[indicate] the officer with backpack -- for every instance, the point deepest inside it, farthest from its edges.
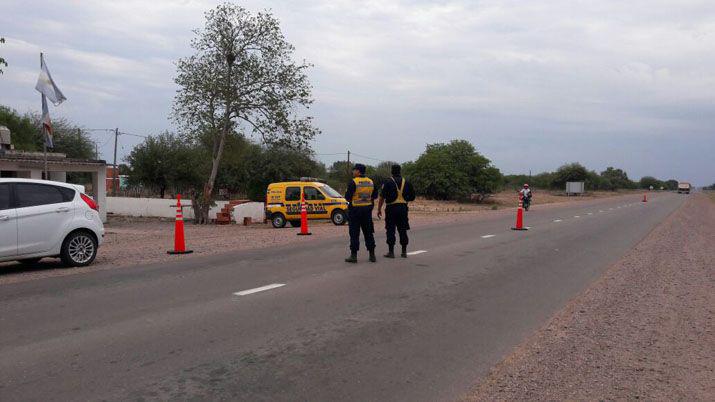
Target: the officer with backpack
(361, 195)
(396, 193)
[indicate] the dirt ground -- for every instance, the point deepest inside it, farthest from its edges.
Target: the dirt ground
(643, 331)
(131, 241)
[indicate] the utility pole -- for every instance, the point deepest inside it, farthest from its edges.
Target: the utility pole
(115, 178)
(348, 167)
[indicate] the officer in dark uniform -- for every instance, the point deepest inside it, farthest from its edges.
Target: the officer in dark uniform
(396, 192)
(361, 195)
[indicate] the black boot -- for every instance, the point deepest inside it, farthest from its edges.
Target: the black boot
(391, 252)
(352, 259)
(372, 256)
(404, 252)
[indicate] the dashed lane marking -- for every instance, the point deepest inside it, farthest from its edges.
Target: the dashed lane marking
(590, 213)
(261, 289)
(416, 252)
(487, 236)
(557, 220)
(577, 216)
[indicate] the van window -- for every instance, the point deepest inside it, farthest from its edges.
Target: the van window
(312, 194)
(292, 193)
(4, 196)
(30, 195)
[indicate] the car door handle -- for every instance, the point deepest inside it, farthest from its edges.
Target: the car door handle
(62, 209)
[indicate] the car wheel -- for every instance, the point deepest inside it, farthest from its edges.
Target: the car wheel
(295, 224)
(278, 220)
(79, 249)
(339, 218)
(29, 261)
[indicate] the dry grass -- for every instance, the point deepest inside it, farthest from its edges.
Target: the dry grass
(506, 199)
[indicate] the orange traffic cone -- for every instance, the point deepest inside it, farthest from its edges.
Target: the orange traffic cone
(645, 197)
(520, 217)
(303, 218)
(179, 243)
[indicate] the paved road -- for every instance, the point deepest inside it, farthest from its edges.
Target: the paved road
(424, 328)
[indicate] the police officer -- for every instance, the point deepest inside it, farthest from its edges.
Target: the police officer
(396, 192)
(361, 195)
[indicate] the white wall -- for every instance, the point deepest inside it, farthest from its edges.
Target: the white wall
(154, 207)
(254, 210)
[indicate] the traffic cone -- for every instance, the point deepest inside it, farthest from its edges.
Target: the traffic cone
(645, 197)
(179, 243)
(520, 217)
(303, 218)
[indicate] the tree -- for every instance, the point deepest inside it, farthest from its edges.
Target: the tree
(453, 171)
(164, 162)
(671, 185)
(27, 135)
(2, 60)
(275, 163)
(617, 178)
(648, 181)
(241, 80)
(568, 172)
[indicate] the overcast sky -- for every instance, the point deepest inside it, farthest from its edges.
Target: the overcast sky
(533, 84)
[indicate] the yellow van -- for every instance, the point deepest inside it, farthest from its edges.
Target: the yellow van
(321, 202)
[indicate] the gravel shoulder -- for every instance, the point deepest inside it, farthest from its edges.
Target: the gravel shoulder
(642, 331)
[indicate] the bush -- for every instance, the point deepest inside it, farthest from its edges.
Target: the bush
(452, 171)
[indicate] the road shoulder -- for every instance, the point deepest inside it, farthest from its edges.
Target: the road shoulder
(642, 331)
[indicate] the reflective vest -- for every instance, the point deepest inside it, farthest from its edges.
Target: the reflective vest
(363, 192)
(400, 199)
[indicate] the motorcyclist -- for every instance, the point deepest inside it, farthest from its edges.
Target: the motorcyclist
(525, 194)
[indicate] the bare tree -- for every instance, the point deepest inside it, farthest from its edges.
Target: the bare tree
(241, 81)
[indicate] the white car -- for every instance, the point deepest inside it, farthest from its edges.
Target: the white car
(40, 218)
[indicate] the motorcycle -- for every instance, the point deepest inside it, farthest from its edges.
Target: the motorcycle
(526, 203)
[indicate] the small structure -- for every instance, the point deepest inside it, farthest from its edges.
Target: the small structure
(5, 140)
(31, 165)
(575, 188)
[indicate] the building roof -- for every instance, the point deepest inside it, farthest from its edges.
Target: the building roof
(52, 158)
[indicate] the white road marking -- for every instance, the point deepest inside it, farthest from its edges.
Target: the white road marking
(416, 252)
(487, 236)
(577, 216)
(600, 210)
(610, 209)
(590, 213)
(557, 220)
(261, 289)
(527, 227)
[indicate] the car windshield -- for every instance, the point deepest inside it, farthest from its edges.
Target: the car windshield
(330, 192)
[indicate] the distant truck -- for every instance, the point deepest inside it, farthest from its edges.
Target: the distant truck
(683, 188)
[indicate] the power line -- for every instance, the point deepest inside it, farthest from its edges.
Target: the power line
(135, 135)
(369, 157)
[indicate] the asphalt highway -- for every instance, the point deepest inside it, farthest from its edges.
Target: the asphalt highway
(297, 323)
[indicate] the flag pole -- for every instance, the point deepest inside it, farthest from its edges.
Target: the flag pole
(44, 134)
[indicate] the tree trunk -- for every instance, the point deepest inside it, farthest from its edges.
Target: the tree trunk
(203, 207)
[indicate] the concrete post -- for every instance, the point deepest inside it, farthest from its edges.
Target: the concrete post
(58, 176)
(99, 184)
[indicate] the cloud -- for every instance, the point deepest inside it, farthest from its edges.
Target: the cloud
(558, 75)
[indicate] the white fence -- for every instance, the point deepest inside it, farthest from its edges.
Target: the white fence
(154, 207)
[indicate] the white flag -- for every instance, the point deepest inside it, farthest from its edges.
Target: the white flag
(46, 86)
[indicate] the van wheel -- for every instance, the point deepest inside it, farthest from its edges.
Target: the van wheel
(278, 220)
(338, 217)
(295, 224)
(79, 249)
